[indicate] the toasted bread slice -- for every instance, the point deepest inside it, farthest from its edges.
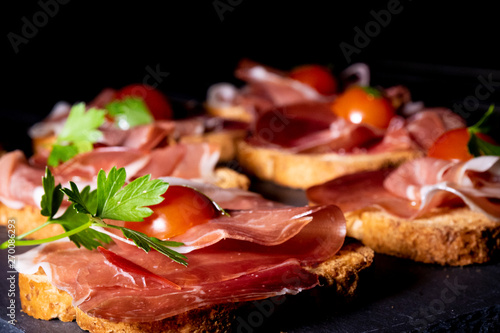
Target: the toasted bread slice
(447, 236)
(41, 300)
(28, 218)
(234, 112)
(298, 170)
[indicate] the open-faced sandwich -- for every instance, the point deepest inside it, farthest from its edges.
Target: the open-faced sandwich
(78, 141)
(307, 126)
(442, 208)
(152, 256)
(142, 117)
(306, 144)
(266, 88)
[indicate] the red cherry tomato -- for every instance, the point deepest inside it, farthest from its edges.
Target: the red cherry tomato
(156, 101)
(453, 145)
(182, 208)
(316, 76)
(364, 105)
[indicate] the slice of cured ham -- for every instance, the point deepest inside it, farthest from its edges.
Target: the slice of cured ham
(21, 181)
(417, 187)
(277, 86)
(265, 89)
(18, 180)
(359, 191)
(248, 264)
(313, 127)
(427, 125)
(84, 167)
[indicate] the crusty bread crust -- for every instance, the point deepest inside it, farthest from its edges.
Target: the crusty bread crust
(43, 301)
(342, 271)
(218, 318)
(447, 236)
(235, 112)
(28, 218)
(306, 170)
(229, 178)
(41, 144)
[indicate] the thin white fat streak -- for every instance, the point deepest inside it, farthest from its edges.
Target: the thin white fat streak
(427, 191)
(14, 204)
(38, 192)
(360, 70)
(298, 216)
(208, 163)
(25, 262)
(479, 164)
(42, 129)
(261, 74)
(410, 192)
(221, 95)
(132, 168)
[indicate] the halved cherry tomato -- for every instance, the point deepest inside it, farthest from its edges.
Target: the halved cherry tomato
(182, 208)
(316, 76)
(453, 145)
(364, 105)
(156, 101)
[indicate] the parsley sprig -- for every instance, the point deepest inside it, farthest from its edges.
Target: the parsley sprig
(111, 200)
(129, 112)
(78, 135)
(81, 129)
(478, 146)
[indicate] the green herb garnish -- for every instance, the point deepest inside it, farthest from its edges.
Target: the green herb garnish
(111, 200)
(130, 112)
(373, 91)
(78, 135)
(478, 146)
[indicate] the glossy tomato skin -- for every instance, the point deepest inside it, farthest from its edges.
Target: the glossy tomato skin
(156, 101)
(316, 76)
(182, 208)
(364, 105)
(452, 145)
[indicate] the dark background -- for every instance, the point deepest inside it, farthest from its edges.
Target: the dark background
(438, 49)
